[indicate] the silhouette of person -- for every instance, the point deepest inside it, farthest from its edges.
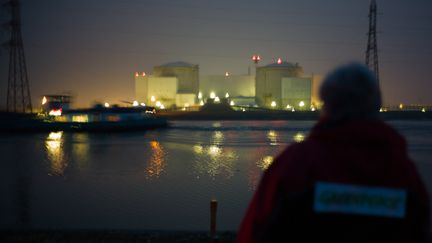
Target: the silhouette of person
(351, 180)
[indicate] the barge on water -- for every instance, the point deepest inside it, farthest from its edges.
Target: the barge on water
(97, 119)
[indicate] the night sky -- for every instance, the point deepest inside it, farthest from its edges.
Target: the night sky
(92, 48)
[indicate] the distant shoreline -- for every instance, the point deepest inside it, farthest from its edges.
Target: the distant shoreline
(281, 115)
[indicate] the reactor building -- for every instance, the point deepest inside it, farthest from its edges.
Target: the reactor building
(281, 85)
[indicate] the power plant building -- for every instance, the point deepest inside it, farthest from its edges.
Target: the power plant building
(150, 89)
(171, 85)
(276, 86)
(238, 88)
(281, 86)
(187, 75)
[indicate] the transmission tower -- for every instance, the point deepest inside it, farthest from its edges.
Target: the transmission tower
(372, 47)
(18, 93)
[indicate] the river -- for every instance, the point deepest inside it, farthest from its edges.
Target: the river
(153, 180)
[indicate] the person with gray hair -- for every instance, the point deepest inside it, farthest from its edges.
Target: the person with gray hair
(350, 180)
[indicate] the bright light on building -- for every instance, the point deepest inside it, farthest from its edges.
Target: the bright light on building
(226, 74)
(201, 103)
(301, 103)
(227, 95)
(212, 95)
(143, 104)
(423, 109)
(256, 58)
(401, 106)
(273, 104)
(136, 74)
(153, 99)
(232, 103)
(80, 118)
(216, 99)
(143, 74)
(186, 105)
(313, 108)
(44, 100)
(279, 60)
(288, 107)
(158, 103)
(55, 112)
(107, 104)
(135, 103)
(381, 110)
(162, 107)
(199, 95)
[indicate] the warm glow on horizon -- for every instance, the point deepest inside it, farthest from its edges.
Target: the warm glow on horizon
(55, 112)
(212, 95)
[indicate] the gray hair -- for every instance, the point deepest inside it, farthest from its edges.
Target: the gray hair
(351, 92)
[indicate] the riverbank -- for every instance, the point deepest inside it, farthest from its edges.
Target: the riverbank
(114, 236)
(280, 115)
(118, 236)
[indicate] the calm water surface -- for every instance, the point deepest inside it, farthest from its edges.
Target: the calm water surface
(160, 179)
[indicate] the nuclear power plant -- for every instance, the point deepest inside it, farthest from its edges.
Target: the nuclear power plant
(280, 85)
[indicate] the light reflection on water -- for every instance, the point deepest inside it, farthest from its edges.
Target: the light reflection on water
(218, 153)
(149, 180)
(265, 162)
(156, 164)
(299, 137)
(55, 153)
(218, 137)
(214, 161)
(81, 149)
(272, 136)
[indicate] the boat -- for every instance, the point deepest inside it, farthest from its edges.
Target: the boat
(96, 119)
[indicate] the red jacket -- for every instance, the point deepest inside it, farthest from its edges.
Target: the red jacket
(368, 154)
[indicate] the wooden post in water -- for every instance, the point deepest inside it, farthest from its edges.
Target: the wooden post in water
(213, 211)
